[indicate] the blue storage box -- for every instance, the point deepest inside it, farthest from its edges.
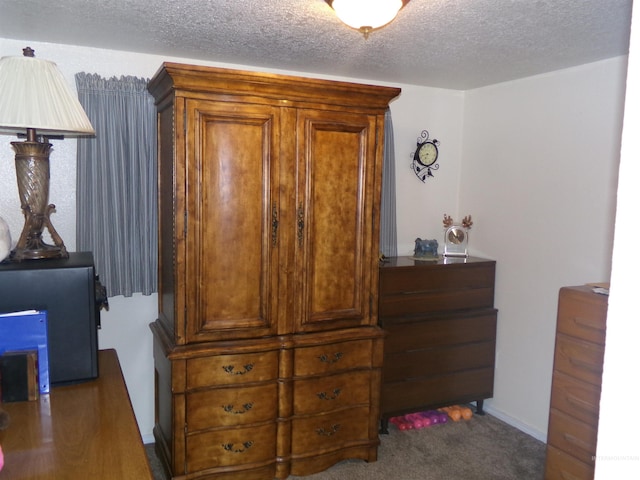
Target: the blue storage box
(27, 330)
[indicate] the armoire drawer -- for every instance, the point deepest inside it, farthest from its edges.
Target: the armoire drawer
(579, 359)
(322, 433)
(562, 466)
(231, 369)
(336, 357)
(572, 436)
(232, 446)
(579, 399)
(582, 316)
(327, 393)
(227, 406)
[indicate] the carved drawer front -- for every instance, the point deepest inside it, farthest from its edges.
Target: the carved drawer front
(579, 359)
(231, 406)
(579, 399)
(572, 436)
(233, 446)
(323, 394)
(334, 357)
(231, 369)
(329, 432)
(560, 465)
(583, 316)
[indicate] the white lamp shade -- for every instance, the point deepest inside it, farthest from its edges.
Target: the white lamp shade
(366, 13)
(34, 94)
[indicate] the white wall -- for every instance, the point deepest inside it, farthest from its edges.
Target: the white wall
(525, 158)
(539, 173)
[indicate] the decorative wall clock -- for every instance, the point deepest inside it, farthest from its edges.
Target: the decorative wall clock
(456, 236)
(425, 156)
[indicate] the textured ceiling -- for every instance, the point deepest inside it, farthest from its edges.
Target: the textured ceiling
(456, 44)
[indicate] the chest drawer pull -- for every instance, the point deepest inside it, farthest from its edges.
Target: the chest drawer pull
(229, 447)
(580, 403)
(585, 365)
(328, 359)
(328, 433)
(230, 369)
(245, 408)
(577, 442)
(325, 396)
(593, 324)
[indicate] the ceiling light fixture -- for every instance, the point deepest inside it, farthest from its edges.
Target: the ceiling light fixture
(366, 15)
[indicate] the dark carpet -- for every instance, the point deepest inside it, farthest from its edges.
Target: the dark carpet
(483, 448)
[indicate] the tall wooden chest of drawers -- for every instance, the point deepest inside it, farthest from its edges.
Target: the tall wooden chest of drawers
(441, 333)
(575, 389)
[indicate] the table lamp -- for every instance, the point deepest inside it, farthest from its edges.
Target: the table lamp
(36, 102)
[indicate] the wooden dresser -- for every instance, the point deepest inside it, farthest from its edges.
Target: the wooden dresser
(575, 389)
(267, 351)
(441, 333)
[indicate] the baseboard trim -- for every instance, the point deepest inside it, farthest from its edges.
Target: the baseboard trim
(514, 422)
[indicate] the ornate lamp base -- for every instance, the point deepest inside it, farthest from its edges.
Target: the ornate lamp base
(32, 172)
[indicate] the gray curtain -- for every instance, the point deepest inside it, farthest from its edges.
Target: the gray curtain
(117, 183)
(388, 233)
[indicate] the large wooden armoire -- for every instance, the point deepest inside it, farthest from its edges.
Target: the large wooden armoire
(267, 351)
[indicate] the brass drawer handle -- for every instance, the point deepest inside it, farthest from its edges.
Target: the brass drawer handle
(230, 369)
(328, 433)
(324, 396)
(230, 409)
(327, 359)
(229, 447)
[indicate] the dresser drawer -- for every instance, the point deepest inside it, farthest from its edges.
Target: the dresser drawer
(231, 369)
(576, 398)
(429, 332)
(582, 314)
(436, 277)
(228, 406)
(323, 433)
(572, 436)
(561, 466)
(437, 390)
(336, 357)
(323, 394)
(436, 287)
(438, 361)
(233, 446)
(579, 359)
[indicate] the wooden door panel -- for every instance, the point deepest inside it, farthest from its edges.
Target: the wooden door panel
(336, 163)
(231, 247)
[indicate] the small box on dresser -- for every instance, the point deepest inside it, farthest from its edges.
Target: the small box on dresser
(441, 333)
(575, 389)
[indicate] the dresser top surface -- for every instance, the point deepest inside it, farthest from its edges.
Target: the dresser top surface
(400, 262)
